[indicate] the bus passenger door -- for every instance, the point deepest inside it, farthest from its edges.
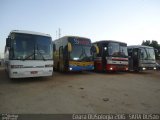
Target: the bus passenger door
(61, 58)
(130, 54)
(104, 61)
(135, 59)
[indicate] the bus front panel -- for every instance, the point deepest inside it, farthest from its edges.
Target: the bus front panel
(80, 57)
(23, 69)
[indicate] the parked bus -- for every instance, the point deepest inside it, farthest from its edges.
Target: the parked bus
(28, 54)
(141, 58)
(111, 56)
(72, 53)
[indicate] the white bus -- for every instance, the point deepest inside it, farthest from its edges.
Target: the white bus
(28, 54)
(141, 58)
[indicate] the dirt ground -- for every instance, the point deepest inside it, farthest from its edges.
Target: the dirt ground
(86, 92)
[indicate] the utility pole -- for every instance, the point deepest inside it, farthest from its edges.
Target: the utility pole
(56, 35)
(59, 32)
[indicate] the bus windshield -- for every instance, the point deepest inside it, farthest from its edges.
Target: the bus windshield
(81, 53)
(31, 47)
(117, 50)
(147, 53)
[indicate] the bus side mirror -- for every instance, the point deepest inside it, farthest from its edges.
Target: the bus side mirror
(8, 42)
(95, 49)
(69, 47)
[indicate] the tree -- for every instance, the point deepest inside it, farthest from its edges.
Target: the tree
(147, 42)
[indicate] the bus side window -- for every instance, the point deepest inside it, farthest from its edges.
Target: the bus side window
(135, 53)
(61, 51)
(130, 52)
(54, 47)
(105, 51)
(65, 52)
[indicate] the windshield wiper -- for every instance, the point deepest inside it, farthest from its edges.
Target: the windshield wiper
(28, 56)
(33, 54)
(83, 53)
(41, 54)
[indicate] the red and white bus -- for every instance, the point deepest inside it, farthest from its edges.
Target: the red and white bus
(110, 56)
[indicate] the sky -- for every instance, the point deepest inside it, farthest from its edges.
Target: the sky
(130, 21)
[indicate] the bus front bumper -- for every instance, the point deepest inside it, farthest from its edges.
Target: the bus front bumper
(114, 67)
(30, 73)
(147, 68)
(81, 68)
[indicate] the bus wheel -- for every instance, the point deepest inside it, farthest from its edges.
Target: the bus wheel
(136, 70)
(54, 69)
(11, 79)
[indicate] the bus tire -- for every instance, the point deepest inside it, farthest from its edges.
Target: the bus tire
(11, 79)
(54, 69)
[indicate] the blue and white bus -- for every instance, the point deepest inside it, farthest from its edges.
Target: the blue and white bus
(72, 53)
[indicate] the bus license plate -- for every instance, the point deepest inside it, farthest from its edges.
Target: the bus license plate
(34, 72)
(120, 67)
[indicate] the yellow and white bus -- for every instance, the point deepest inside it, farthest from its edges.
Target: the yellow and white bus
(72, 53)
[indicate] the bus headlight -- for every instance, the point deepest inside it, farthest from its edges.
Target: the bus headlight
(126, 68)
(111, 68)
(154, 68)
(143, 68)
(70, 69)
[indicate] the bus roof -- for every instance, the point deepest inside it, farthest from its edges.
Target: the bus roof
(104, 41)
(70, 36)
(29, 32)
(139, 46)
(74, 36)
